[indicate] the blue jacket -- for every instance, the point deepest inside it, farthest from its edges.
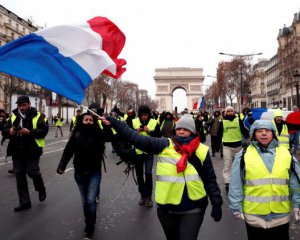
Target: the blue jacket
(236, 194)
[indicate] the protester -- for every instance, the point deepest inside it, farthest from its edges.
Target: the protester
(213, 130)
(58, 123)
(231, 129)
(87, 145)
(200, 127)
(128, 117)
(167, 125)
(146, 126)
(294, 135)
(265, 185)
(185, 177)
(281, 129)
(74, 120)
(26, 131)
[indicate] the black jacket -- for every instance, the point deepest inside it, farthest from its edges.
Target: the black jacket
(25, 145)
(88, 150)
(156, 145)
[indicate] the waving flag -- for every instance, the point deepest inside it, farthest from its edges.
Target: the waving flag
(263, 113)
(201, 103)
(65, 59)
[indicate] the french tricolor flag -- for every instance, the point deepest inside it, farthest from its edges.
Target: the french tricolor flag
(65, 59)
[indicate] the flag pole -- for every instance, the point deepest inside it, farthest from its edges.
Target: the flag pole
(86, 108)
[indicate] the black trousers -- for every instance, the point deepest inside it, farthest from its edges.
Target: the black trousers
(276, 233)
(180, 226)
(216, 144)
(144, 178)
(30, 166)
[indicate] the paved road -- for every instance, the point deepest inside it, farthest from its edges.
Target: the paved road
(119, 216)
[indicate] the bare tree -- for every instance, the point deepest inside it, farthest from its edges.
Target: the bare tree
(9, 85)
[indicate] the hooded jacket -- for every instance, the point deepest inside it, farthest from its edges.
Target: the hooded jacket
(236, 194)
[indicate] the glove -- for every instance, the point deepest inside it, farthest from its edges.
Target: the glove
(297, 215)
(249, 114)
(216, 213)
(238, 215)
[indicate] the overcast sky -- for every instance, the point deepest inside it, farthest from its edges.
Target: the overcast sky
(173, 33)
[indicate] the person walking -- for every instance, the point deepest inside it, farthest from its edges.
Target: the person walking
(74, 120)
(213, 130)
(167, 125)
(232, 130)
(145, 126)
(26, 131)
(294, 135)
(185, 177)
(58, 123)
(87, 145)
(264, 185)
(281, 129)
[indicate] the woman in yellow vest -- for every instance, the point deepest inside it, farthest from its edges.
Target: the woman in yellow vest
(281, 129)
(185, 177)
(264, 185)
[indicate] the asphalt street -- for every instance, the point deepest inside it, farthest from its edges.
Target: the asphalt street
(119, 215)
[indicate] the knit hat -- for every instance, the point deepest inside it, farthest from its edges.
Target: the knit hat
(186, 122)
(278, 113)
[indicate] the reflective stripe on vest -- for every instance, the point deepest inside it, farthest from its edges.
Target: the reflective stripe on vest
(266, 192)
(231, 130)
(39, 141)
(170, 184)
(136, 123)
(283, 138)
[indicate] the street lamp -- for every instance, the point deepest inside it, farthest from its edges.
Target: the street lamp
(242, 57)
(297, 79)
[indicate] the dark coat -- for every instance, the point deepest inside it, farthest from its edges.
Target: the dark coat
(88, 150)
(25, 145)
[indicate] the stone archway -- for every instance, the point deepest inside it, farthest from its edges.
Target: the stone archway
(167, 80)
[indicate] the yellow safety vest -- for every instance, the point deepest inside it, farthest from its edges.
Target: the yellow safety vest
(100, 124)
(283, 138)
(162, 125)
(58, 122)
(74, 122)
(170, 184)
(40, 141)
(265, 191)
(136, 123)
(231, 130)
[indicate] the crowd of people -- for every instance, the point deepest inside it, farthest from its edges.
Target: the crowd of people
(260, 175)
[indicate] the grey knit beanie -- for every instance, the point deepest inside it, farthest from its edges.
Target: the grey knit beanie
(186, 122)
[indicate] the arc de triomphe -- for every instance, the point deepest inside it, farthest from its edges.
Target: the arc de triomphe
(167, 80)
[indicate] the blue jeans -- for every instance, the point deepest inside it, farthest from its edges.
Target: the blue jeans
(294, 139)
(89, 188)
(145, 184)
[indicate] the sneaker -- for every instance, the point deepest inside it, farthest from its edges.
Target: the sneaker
(149, 202)
(142, 201)
(11, 171)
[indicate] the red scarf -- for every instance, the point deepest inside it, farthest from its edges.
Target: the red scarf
(186, 151)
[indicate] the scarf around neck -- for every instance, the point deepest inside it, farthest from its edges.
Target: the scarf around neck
(186, 150)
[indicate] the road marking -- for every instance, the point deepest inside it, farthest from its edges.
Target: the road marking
(68, 169)
(5, 162)
(64, 140)
(57, 150)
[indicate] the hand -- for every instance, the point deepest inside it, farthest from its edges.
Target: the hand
(296, 215)
(24, 131)
(60, 171)
(216, 213)
(249, 114)
(12, 131)
(238, 215)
